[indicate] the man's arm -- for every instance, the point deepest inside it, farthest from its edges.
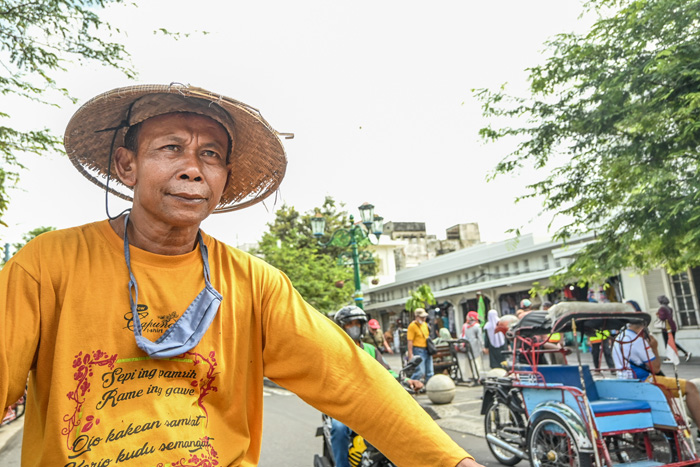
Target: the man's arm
(655, 364)
(338, 378)
(386, 345)
(410, 350)
(19, 335)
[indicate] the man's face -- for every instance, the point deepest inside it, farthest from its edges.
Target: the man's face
(180, 170)
(354, 322)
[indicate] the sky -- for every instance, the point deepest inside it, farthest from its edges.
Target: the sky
(378, 95)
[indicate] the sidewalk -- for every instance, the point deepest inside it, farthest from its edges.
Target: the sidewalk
(463, 414)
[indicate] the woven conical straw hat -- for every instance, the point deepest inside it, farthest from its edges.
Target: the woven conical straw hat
(258, 162)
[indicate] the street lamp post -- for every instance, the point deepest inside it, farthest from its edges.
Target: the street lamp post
(350, 237)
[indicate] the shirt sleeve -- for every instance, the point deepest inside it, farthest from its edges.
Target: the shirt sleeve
(308, 354)
(411, 333)
(19, 337)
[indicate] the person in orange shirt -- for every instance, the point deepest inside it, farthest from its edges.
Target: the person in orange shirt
(417, 336)
(146, 340)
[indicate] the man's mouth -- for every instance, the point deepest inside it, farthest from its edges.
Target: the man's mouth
(189, 197)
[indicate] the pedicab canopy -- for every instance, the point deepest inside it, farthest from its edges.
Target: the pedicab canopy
(589, 318)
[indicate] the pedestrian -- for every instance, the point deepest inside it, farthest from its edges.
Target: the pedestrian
(375, 336)
(146, 340)
(601, 341)
(445, 320)
(495, 342)
(443, 334)
(417, 336)
(472, 332)
(668, 324)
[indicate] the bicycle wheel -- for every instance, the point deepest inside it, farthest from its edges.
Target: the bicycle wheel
(501, 422)
(551, 444)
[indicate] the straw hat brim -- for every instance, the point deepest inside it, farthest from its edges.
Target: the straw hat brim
(258, 162)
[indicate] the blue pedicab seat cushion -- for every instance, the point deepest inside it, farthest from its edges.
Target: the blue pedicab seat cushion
(618, 407)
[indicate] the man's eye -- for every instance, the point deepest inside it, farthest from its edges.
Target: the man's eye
(211, 154)
(171, 147)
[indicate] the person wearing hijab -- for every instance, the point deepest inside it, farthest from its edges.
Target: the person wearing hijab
(471, 331)
(494, 342)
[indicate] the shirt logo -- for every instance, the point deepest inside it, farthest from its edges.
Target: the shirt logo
(155, 324)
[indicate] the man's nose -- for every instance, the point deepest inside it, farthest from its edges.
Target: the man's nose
(190, 166)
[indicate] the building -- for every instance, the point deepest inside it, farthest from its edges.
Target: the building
(417, 246)
(505, 273)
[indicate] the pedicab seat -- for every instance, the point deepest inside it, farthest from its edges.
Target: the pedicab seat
(623, 413)
(618, 406)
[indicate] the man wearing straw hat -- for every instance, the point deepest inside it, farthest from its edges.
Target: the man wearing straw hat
(146, 340)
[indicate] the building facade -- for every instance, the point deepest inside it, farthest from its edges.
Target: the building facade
(505, 272)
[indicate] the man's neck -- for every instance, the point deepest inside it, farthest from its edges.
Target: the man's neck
(154, 238)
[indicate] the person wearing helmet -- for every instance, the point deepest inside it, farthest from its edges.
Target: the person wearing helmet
(353, 320)
(525, 308)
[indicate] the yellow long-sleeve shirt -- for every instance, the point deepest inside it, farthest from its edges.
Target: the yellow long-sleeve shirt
(95, 399)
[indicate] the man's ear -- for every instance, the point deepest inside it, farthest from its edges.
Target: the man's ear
(125, 165)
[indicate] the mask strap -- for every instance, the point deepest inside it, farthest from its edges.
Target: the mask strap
(133, 286)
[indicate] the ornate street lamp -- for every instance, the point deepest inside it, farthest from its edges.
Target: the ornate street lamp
(350, 237)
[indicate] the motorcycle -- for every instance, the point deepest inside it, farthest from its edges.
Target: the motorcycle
(360, 452)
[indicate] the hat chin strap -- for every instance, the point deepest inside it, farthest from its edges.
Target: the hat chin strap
(123, 124)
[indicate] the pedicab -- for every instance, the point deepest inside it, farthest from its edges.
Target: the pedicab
(566, 415)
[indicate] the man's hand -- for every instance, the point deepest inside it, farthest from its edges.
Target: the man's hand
(415, 384)
(653, 343)
(486, 351)
(469, 463)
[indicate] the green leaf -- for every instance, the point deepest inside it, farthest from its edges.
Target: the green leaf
(612, 124)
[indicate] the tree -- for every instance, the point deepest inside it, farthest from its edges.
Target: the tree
(289, 246)
(336, 218)
(613, 122)
(38, 40)
(422, 297)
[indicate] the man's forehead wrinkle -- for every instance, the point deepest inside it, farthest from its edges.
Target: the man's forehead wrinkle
(182, 133)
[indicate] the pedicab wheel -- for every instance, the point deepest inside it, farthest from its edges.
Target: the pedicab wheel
(551, 443)
(633, 447)
(501, 422)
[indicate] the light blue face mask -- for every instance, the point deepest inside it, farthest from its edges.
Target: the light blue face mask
(189, 329)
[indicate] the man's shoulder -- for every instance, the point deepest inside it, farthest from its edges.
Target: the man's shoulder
(86, 233)
(224, 251)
